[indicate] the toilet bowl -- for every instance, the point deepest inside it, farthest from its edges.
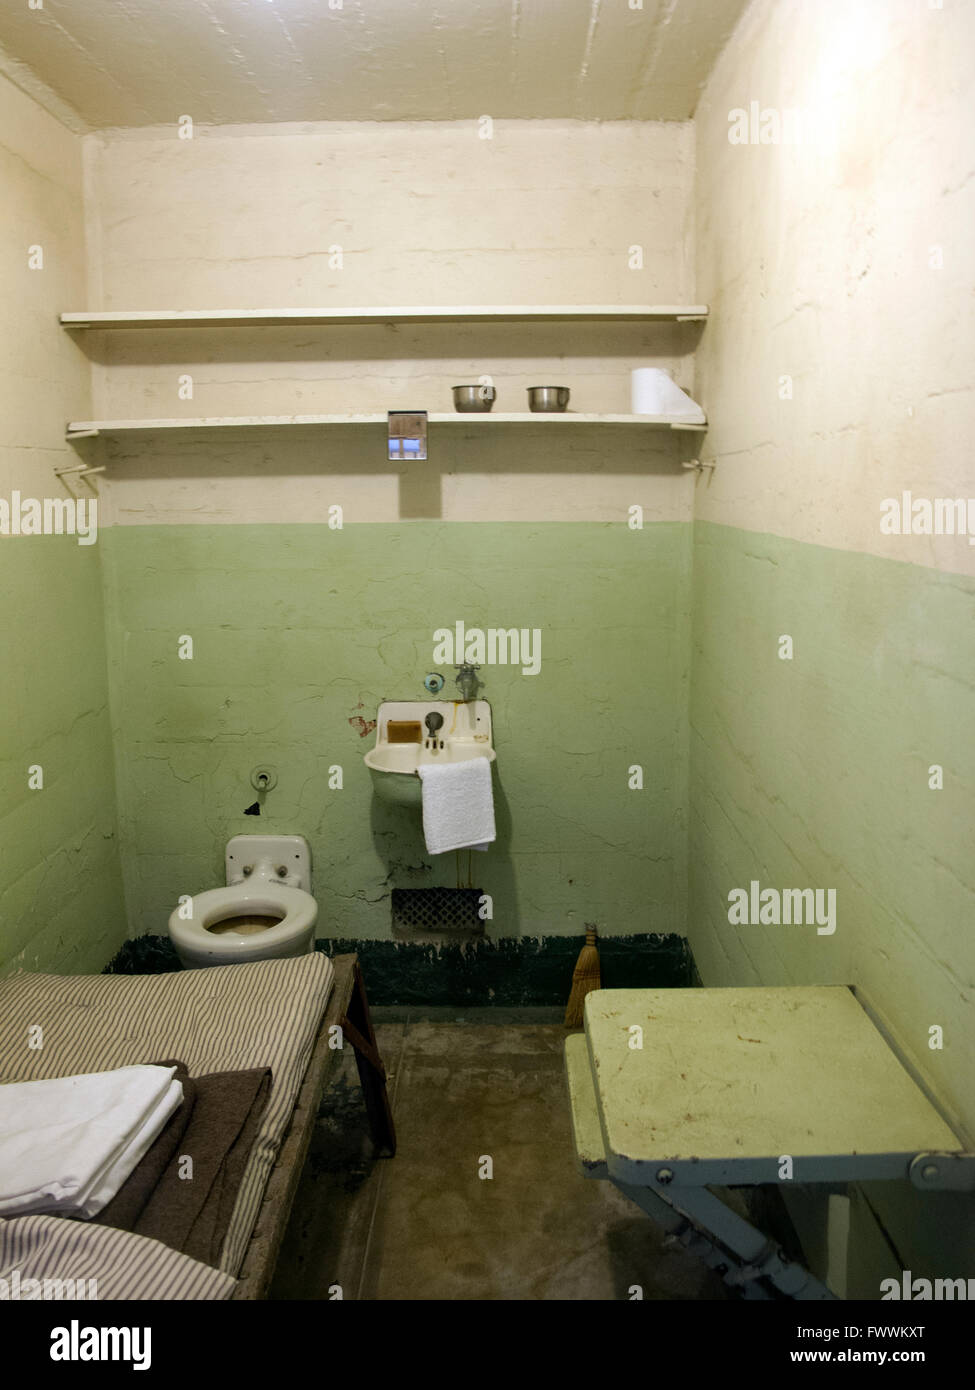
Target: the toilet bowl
(265, 912)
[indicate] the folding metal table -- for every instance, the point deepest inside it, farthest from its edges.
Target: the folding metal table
(674, 1090)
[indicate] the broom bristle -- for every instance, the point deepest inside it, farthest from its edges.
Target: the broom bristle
(585, 978)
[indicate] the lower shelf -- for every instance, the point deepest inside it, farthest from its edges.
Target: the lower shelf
(85, 429)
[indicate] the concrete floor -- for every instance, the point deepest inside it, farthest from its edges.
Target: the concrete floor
(423, 1225)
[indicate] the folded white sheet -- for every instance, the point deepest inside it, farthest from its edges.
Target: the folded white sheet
(458, 805)
(67, 1145)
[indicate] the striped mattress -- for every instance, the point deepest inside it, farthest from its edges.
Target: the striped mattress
(49, 1258)
(226, 1018)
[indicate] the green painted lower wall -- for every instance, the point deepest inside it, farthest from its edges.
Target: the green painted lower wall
(61, 905)
(814, 773)
(299, 632)
(659, 648)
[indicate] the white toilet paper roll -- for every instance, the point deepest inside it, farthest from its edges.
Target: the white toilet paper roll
(652, 392)
(647, 390)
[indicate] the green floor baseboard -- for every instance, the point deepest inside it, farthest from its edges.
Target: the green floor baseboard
(517, 972)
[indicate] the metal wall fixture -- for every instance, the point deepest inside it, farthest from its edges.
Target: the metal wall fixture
(698, 466)
(407, 434)
(467, 680)
(80, 470)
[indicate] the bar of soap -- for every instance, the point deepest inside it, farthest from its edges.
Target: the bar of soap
(403, 731)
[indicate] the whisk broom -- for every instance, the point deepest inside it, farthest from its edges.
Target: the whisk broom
(584, 978)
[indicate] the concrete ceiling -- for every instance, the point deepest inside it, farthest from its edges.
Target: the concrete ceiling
(104, 63)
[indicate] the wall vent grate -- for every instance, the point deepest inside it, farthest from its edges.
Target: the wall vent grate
(436, 911)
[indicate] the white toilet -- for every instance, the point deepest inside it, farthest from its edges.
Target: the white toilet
(266, 911)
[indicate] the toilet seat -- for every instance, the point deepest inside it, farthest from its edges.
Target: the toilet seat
(297, 909)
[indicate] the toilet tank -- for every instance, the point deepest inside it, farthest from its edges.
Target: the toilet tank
(275, 852)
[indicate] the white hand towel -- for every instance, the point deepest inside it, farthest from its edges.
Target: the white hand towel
(458, 805)
(68, 1144)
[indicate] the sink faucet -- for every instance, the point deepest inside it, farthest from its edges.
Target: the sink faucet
(433, 721)
(467, 681)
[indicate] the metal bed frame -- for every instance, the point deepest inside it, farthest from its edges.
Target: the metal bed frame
(348, 1008)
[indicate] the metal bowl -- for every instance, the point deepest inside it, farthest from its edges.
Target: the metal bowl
(471, 399)
(548, 398)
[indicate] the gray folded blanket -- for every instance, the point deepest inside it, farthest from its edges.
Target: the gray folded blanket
(188, 1206)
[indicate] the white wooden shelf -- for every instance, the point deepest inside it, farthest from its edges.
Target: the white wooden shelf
(512, 313)
(83, 429)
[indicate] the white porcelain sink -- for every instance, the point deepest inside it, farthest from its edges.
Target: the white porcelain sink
(465, 733)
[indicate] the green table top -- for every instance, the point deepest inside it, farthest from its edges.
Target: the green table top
(728, 1081)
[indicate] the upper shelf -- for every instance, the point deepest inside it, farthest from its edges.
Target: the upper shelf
(510, 313)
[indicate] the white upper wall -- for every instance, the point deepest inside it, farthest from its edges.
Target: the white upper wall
(843, 259)
(378, 214)
(44, 377)
(426, 212)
